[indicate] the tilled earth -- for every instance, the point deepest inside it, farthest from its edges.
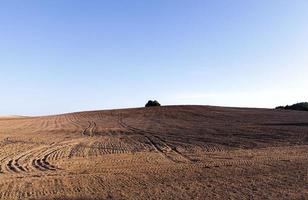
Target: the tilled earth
(174, 152)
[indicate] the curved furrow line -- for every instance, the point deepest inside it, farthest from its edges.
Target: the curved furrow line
(58, 122)
(72, 120)
(157, 143)
(34, 161)
(169, 149)
(85, 131)
(11, 167)
(15, 164)
(59, 153)
(37, 166)
(92, 129)
(43, 162)
(4, 168)
(37, 158)
(41, 125)
(46, 163)
(97, 148)
(74, 151)
(62, 153)
(41, 165)
(54, 152)
(56, 155)
(101, 116)
(229, 163)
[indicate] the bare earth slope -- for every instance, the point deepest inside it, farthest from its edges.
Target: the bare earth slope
(176, 152)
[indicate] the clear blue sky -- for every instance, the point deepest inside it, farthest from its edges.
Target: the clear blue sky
(60, 56)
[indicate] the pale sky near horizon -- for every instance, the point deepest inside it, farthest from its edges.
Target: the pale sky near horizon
(65, 56)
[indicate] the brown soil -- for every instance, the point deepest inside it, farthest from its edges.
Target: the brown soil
(175, 152)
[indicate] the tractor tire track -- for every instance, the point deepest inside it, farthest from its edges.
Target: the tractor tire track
(90, 129)
(157, 143)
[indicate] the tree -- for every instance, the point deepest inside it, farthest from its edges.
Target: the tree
(298, 106)
(152, 103)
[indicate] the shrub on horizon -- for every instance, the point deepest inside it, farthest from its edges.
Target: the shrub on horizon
(152, 103)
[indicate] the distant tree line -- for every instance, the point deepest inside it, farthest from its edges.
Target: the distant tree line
(298, 106)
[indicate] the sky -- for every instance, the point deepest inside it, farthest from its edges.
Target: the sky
(63, 56)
